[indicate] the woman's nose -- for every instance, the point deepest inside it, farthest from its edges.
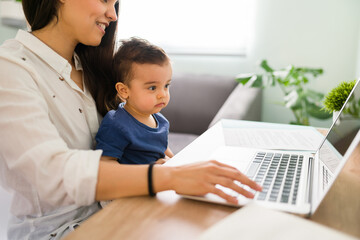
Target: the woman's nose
(111, 13)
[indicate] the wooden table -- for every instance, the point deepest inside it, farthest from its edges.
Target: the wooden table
(169, 216)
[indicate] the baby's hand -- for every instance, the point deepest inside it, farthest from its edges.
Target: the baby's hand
(162, 160)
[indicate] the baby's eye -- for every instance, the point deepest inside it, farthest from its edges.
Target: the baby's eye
(152, 88)
(167, 85)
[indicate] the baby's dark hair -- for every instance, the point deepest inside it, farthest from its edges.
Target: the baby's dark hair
(136, 50)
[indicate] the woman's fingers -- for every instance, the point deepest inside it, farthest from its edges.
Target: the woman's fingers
(223, 195)
(226, 182)
(202, 177)
(234, 174)
(226, 176)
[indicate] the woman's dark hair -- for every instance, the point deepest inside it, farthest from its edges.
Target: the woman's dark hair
(97, 66)
(39, 13)
(96, 61)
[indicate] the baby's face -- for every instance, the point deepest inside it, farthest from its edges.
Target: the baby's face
(148, 90)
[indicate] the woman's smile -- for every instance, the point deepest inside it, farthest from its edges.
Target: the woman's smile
(101, 26)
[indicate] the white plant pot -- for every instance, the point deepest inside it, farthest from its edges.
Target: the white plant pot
(12, 14)
(335, 115)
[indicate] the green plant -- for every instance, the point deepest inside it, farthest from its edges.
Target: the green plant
(303, 102)
(336, 98)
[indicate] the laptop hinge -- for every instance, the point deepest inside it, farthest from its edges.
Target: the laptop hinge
(310, 186)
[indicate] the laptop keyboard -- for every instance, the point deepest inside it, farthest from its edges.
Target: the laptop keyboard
(279, 175)
(326, 177)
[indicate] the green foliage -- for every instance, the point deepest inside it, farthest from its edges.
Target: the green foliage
(336, 98)
(303, 102)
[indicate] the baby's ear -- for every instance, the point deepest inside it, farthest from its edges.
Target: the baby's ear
(123, 90)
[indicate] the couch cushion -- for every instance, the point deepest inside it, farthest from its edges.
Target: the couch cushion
(177, 141)
(195, 99)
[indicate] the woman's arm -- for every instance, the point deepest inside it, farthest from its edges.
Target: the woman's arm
(35, 122)
(119, 180)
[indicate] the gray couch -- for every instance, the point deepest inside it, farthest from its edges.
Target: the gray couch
(199, 101)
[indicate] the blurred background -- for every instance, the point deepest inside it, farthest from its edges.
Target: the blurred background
(230, 37)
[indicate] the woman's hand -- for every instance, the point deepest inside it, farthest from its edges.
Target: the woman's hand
(201, 178)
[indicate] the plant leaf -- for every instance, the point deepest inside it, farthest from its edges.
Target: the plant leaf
(317, 112)
(257, 82)
(244, 78)
(291, 99)
(265, 66)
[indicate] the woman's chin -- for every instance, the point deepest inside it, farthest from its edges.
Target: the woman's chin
(92, 42)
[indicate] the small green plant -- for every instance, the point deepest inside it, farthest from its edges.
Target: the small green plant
(303, 102)
(336, 98)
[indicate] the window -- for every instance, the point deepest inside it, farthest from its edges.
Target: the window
(199, 27)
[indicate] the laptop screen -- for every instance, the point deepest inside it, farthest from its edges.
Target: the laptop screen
(338, 140)
(342, 132)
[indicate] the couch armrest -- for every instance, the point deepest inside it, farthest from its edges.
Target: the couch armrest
(244, 103)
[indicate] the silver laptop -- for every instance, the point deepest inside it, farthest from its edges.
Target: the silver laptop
(294, 181)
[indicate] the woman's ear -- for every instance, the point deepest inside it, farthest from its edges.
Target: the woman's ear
(123, 90)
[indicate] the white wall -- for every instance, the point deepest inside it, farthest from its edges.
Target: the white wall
(358, 57)
(6, 32)
(312, 33)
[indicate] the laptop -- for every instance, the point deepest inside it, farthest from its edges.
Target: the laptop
(293, 181)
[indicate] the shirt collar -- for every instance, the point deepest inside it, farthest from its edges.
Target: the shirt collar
(35, 45)
(48, 55)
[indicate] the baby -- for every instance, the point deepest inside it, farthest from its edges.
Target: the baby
(137, 133)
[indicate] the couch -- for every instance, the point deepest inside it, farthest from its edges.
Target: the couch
(198, 101)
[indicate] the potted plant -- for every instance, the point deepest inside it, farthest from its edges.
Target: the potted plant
(303, 102)
(336, 98)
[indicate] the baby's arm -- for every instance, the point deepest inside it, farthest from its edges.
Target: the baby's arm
(168, 153)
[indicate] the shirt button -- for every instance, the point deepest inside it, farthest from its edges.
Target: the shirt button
(80, 110)
(61, 78)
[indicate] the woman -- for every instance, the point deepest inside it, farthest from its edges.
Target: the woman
(54, 82)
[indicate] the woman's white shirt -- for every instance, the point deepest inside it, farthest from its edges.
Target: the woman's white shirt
(47, 127)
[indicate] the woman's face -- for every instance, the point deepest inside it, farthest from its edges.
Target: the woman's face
(85, 21)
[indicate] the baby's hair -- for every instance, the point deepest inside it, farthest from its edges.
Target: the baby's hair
(136, 50)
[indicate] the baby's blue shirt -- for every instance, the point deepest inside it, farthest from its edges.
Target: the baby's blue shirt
(122, 136)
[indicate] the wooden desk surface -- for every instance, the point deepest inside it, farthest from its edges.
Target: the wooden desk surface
(169, 216)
